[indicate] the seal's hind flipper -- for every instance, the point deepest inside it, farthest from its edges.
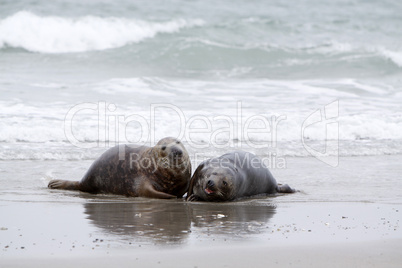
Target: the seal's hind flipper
(147, 190)
(284, 189)
(64, 185)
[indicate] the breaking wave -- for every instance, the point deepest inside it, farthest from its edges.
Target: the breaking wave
(51, 34)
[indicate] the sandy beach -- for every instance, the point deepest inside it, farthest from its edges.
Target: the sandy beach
(353, 226)
(367, 235)
(368, 254)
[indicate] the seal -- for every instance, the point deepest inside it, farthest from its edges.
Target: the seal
(162, 171)
(232, 176)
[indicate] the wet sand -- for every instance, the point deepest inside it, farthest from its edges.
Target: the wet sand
(178, 234)
(369, 254)
(333, 221)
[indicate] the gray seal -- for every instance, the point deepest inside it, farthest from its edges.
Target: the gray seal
(232, 176)
(162, 171)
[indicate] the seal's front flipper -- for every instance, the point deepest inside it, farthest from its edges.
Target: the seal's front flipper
(192, 198)
(64, 185)
(284, 189)
(147, 190)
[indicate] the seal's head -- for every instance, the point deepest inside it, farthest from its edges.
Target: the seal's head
(216, 184)
(171, 166)
(171, 155)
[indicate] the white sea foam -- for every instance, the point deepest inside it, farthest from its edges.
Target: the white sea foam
(395, 57)
(63, 35)
(366, 113)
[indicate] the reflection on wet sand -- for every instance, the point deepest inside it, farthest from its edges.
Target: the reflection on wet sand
(232, 219)
(163, 222)
(171, 221)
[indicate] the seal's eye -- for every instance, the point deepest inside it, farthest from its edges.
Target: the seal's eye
(177, 142)
(214, 173)
(225, 183)
(163, 147)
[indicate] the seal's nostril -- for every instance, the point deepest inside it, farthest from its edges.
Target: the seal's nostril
(210, 183)
(177, 152)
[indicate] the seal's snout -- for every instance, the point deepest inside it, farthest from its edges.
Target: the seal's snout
(177, 152)
(210, 183)
(209, 187)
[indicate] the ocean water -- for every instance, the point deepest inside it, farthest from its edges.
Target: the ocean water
(313, 87)
(75, 73)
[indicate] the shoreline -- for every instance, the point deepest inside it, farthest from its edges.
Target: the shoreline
(341, 217)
